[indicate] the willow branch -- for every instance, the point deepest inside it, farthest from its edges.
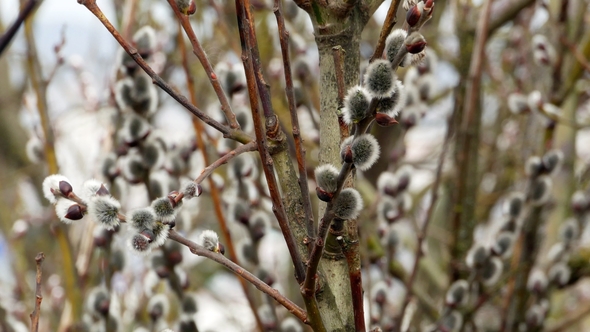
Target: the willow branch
(22, 16)
(202, 56)
(38, 295)
(299, 149)
(388, 24)
(227, 132)
(238, 270)
(251, 62)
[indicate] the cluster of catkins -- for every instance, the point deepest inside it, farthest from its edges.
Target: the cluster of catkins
(487, 262)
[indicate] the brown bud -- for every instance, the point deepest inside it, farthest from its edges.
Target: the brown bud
(65, 188)
(346, 154)
(415, 43)
(413, 16)
(428, 5)
(221, 248)
(149, 234)
(75, 212)
(192, 8)
(102, 191)
(323, 195)
(384, 120)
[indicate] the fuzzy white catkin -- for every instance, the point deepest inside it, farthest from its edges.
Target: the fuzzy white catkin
(51, 185)
(356, 105)
(104, 210)
(326, 177)
(365, 151)
(209, 240)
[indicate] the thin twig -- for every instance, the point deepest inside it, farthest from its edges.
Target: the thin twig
(339, 72)
(299, 149)
(388, 24)
(22, 16)
(38, 294)
(214, 191)
(238, 270)
(254, 80)
(350, 249)
(227, 132)
(202, 56)
(223, 160)
(427, 218)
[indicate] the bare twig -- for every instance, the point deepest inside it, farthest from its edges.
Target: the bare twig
(202, 56)
(26, 10)
(238, 270)
(339, 72)
(38, 295)
(254, 80)
(215, 196)
(227, 132)
(350, 249)
(426, 222)
(299, 149)
(388, 24)
(223, 160)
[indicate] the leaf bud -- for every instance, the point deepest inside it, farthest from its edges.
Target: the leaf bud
(415, 43)
(385, 120)
(191, 189)
(413, 15)
(52, 187)
(346, 150)
(186, 7)
(68, 211)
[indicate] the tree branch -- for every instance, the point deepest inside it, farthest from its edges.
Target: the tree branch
(22, 16)
(38, 294)
(388, 24)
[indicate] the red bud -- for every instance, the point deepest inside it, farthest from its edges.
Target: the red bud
(75, 212)
(65, 188)
(413, 16)
(384, 120)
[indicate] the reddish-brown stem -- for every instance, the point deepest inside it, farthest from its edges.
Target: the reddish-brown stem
(388, 24)
(253, 80)
(224, 159)
(26, 10)
(202, 56)
(238, 270)
(227, 132)
(427, 218)
(350, 249)
(215, 197)
(38, 295)
(299, 149)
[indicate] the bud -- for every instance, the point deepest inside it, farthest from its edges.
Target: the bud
(503, 245)
(552, 160)
(537, 282)
(580, 202)
(388, 210)
(393, 103)
(326, 177)
(415, 43)
(98, 302)
(533, 167)
(559, 274)
(385, 120)
(141, 219)
(191, 189)
(160, 231)
(163, 209)
(518, 103)
(346, 150)
(513, 205)
(140, 243)
(145, 40)
(540, 190)
(477, 256)
(569, 231)
(68, 211)
(348, 204)
(356, 105)
(458, 294)
(91, 188)
(186, 7)
(105, 211)
(379, 78)
(491, 271)
(394, 43)
(535, 316)
(413, 15)
(158, 307)
(210, 241)
(52, 187)
(365, 151)
(452, 322)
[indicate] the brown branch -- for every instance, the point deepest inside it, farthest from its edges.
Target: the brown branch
(388, 24)
(238, 270)
(215, 196)
(227, 132)
(223, 160)
(299, 149)
(25, 12)
(38, 295)
(202, 56)
(251, 62)
(350, 249)
(426, 222)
